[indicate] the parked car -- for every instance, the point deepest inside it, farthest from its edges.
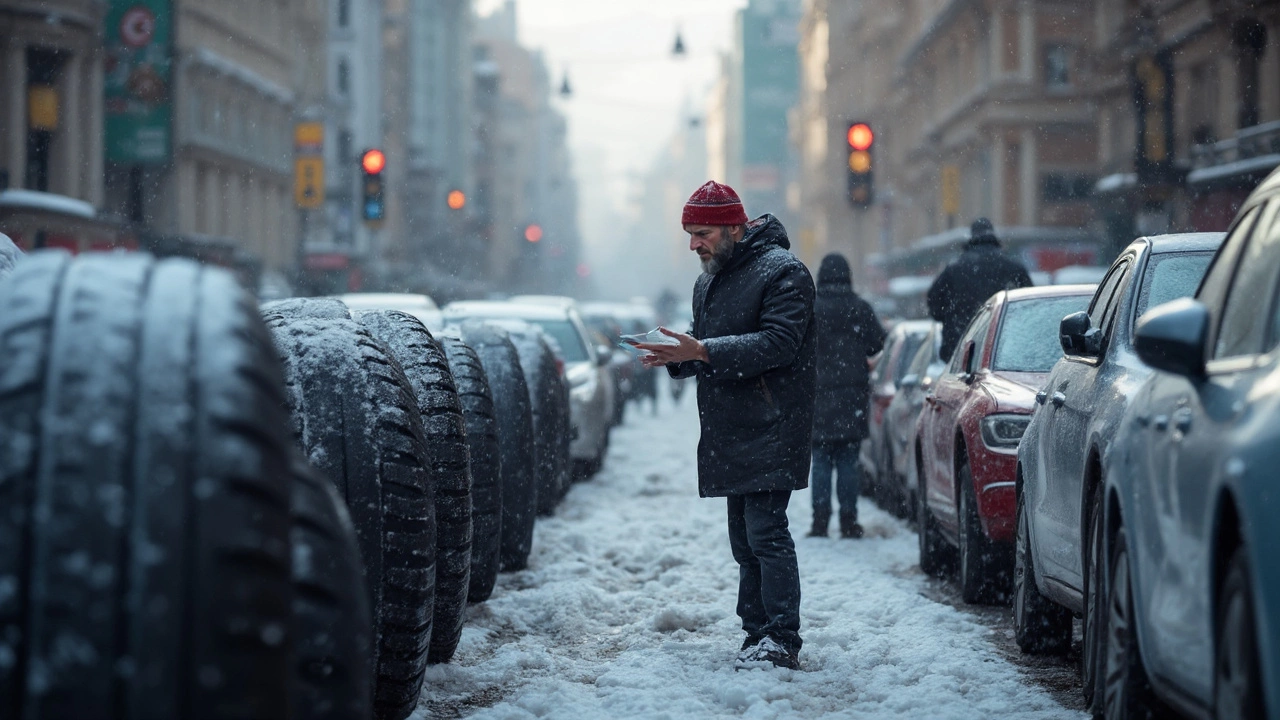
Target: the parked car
(900, 345)
(1192, 591)
(1066, 450)
(899, 425)
(968, 434)
(606, 320)
(586, 368)
(419, 306)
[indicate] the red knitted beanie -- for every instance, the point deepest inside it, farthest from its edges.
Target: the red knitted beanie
(714, 204)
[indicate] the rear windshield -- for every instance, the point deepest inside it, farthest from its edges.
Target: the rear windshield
(1170, 277)
(566, 336)
(1028, 338)
(910, 344)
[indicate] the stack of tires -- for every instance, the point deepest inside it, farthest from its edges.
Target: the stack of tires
(163, 550)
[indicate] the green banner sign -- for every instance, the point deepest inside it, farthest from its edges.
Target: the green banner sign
(138, 103)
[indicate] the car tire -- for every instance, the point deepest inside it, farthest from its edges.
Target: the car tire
(937, 556)
(332, 621)
(549, 403)
(357, 419)
(984, 565)
(486, 465)
(144, 476)
(1127, 694)
(1237, 686)
(514, 423)
(1092, 655)
(1040, 626)
(319, 308)
(445, 430)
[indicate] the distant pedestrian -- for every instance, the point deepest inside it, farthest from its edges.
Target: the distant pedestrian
(752, 348)
(848, 334)
(981, 271)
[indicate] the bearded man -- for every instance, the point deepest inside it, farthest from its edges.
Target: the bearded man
(752, 348)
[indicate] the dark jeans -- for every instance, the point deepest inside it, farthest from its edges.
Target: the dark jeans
(844, 459)
(768, 576)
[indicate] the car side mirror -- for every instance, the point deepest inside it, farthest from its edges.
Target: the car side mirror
(1072, 333)
(604, 355)
(1173, 336)
(909, 381)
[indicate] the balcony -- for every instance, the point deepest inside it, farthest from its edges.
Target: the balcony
(1244, 159)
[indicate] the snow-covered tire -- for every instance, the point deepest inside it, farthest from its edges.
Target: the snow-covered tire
(356, 417)
(145, 487)
(427, 368)
(549, 402)
(317, 308)
(486, 465)
(514, 421)
(332, 621)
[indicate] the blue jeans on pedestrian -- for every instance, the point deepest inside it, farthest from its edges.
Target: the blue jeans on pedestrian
(768, 574)
(843, 458)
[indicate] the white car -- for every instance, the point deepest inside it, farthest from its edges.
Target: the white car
(586, 367)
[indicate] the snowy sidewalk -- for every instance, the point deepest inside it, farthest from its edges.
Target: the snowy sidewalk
(627, 611)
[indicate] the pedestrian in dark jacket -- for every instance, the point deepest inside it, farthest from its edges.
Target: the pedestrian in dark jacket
(752, 348)
(848, 333)
(981, 271)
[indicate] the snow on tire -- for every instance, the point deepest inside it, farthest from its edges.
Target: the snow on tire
(514, 423)
(144, 472)
(319, 308)
(486, 467)
(356, 418)
(549, 402)
(332, 621)
(424, 363)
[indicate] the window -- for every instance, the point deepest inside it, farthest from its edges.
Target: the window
(1028, 339)
(1065, 187)
(344, 13)
(343, 77)
(1170, 277)
(1106, 290)
(1242, 327)
(1057, 66)
(571, 346)
(976, 333)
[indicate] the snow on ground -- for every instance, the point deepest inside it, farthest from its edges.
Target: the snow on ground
(627, 611)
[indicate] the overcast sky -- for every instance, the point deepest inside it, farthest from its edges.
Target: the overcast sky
(628, 90)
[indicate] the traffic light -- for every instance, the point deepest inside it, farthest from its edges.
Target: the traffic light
(373, 208)
(861, 178)
(456, 199)
(533, 233)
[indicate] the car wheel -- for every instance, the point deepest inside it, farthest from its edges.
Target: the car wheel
(144, 477)
(445, 431)
(514, 424)
(937, 556)
(332, 621)
(1040, 626)
(1095, 602)
(1127, 694)
(486, 466)
(357, 419)
(984, 572)
(1237, 679)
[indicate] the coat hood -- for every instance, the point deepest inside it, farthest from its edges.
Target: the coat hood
(834, 270)
(763, 233)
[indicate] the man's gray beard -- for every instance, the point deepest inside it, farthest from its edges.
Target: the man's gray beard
(720, 255)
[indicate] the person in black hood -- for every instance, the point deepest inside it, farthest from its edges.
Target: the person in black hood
(848, 334)
(981, 271)
(753, 350)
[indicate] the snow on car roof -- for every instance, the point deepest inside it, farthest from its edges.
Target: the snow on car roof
(394, 301)
(505, 309)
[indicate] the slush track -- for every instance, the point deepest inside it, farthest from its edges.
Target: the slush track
(627, 610)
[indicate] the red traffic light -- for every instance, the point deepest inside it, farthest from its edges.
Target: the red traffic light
(533, 233)
(373, 161)
(860, 136)
(456, 199)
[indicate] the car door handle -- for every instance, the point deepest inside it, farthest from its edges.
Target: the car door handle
(1160, 423)
(1182, 421)
(1058, 399)
(1142, 420)
(1041, 397)
(931, 399)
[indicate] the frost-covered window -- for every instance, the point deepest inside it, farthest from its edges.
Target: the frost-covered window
(1170, 277)
(1057, 66)
(1028, 337)
(343, 77)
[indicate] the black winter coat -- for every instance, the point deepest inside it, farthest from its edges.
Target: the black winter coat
(755, 397)
(981, 271)
(848, 333)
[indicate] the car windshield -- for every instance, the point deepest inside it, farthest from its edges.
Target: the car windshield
(1028, 338)
(910, 344)
(566, 336)
(1170, 277)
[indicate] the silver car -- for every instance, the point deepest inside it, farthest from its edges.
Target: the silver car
(586, 368)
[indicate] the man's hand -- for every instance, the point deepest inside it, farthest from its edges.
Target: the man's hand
(690, 348)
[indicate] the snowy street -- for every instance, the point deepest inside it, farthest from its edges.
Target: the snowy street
(627, 611)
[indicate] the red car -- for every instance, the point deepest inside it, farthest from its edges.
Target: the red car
(968, 432)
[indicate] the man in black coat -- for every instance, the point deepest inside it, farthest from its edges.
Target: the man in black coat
(752, 348)
(848, 334)
(981, 271)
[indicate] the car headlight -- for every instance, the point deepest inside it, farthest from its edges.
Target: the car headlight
(1003, 432)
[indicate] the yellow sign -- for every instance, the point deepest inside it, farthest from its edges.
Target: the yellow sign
(309, 137)
(42, 107)
(308, 182)
(950, 190)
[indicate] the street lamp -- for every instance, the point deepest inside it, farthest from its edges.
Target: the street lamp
(677, 49)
